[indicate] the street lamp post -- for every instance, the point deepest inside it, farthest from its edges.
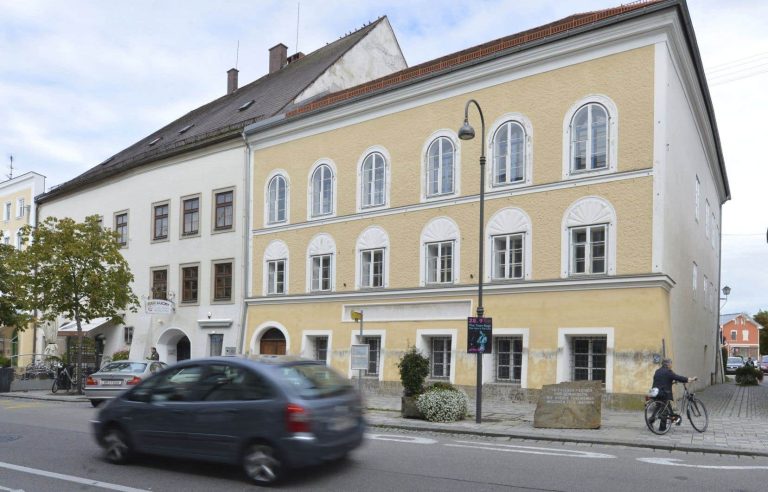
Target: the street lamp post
(466, 132)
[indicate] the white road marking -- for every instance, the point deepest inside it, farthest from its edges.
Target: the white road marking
(400, 438)
(511, 448)
(69, 478)
(677, 462)
(11, 490)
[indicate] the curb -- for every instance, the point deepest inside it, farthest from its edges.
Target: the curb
(70, 399)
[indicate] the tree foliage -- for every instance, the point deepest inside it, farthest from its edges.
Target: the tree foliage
(12, 311)
(762, 318)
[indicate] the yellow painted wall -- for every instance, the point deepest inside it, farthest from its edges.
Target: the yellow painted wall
(15, 223)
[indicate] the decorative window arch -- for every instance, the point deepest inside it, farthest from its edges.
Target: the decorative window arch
(262, 330)
(509, 245)
(588, 238)
(440, 165)
(590, 137)
(277, 198)
(321, 264)
(510, 146)
(440, 252)
(321, 200)
(276, 263)
(373, 178)
(372, 259)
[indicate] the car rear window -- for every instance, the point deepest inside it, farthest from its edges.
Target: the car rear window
(765, 358)
(314, 380)
(735, 360)
(127, 367)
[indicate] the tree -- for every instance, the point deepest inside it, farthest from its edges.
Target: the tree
(75, 271)
(11, 310)
(762, 318)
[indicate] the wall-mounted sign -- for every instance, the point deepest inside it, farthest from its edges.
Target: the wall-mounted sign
(158, 306)
(479, 335)
(360, 357)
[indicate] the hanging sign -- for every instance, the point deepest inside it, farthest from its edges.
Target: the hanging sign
(158, 306)
(479, 332)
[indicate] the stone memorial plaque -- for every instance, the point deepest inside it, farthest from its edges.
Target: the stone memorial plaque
(570, 405)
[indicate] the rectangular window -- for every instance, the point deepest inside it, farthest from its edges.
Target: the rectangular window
(191, 219)
(698, 195)
(224, 210)
(707, 213)
(160, 284)
(714, 230)
(588, 250)
(372, 268)
(321, 348)
(217, 343)
(733, 335)
(440, 360)
(508, 257)
(745, 335)
(18, 240)
(705, 297)
(589, 358)
(276, 277)
(160, 221)
(7, 211)
(321, 273)
(222, 281)
(440, 262)
(19, 208)
(128, 334)
(189, 281)
(121, 228)
(509, 359)
(695, 278)
(374, 354)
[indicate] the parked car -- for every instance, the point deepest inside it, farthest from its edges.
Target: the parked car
(764, 364)
(115, 377)
(267, 415)
(732, 364)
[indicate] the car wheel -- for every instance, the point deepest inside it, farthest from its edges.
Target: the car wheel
(117, 446)
(95, 403)
(261, 464)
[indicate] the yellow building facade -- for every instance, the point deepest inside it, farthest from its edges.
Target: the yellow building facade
(372, 205)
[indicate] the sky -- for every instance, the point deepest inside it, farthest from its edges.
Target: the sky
(83, 79)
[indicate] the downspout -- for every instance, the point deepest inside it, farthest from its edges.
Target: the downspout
(718, 336)
(246, 244)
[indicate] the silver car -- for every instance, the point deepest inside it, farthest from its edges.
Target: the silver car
(268, 416)
(116, 377)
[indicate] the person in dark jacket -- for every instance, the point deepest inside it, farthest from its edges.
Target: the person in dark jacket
(662, 379)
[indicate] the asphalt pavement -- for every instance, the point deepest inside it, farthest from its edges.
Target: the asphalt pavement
(738, 422)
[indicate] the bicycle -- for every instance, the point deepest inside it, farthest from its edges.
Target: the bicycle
(661, 411)
(65, 380)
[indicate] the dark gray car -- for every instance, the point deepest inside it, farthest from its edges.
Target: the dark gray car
(267, 415)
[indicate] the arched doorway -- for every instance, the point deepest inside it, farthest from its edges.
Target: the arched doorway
(272, 342)
(183, 349)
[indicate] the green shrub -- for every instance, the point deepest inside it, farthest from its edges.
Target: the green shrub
(748, 376)
(414, 369)
(120, 355)
(5, 362)
(441, 385)
(442, 405)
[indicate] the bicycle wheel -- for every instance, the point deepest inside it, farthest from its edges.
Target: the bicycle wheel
(55, 386)
(697, 414)
(657, 417)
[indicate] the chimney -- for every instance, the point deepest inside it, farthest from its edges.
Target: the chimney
(232, 80)
(278, 55)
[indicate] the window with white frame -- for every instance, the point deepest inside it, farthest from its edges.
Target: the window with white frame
(707, 214)
(322, 191)
(439, 262)
(588, 250)
(705, 297)
(7, 211)
(275, 274)
(19, 239)
(714, 230)
(695, 278)
(509, 143)
(440, 358)
(698, 198)
(321, 349)
(441, 162)
(321, 273)
(373, 180)
(588, 356)
(160, 221)
(745, 335)
(374, 355)
(733, 335)
(224, 210)
(19, 208)
(589, 138)
(190, 219)
(507, 257)
(372, 268)
(121, 227)
(216, 342)
(508, 354)
(6, 238)
(276, 277)
(277, 197)
(128, 335)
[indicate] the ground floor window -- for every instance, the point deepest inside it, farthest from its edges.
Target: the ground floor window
(509, 359)
(588, 358)
(374, 353)
(321, 349)
(440, 358)
(217, 342)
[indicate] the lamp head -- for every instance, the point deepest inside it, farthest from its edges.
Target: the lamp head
(466, 132)
(726, 290)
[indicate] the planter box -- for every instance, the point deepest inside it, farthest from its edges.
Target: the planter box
(408, 408)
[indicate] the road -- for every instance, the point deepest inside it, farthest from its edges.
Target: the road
(47, 446)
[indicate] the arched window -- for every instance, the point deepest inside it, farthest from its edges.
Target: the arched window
(321, 265)
(372, 258)
(509, 245)
(589, 238)
(589, 138)
(440, 252)
(276, 268)
(322, 191)
(441, 157)
(509, 154)
(373, 180)
(277, 196)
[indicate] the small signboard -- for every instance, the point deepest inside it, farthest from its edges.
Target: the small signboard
(479, 335)
(158, 306)
(360, 357)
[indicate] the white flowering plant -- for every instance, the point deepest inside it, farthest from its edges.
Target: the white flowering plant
(443, 405)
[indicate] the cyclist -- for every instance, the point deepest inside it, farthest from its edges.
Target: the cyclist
(662, 379)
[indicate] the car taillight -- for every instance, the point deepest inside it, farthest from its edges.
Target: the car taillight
(91, 382)
(133, 380)
(297, 419)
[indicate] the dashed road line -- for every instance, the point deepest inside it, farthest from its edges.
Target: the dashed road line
(69, 478)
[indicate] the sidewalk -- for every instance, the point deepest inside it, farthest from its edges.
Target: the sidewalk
(738, 422)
